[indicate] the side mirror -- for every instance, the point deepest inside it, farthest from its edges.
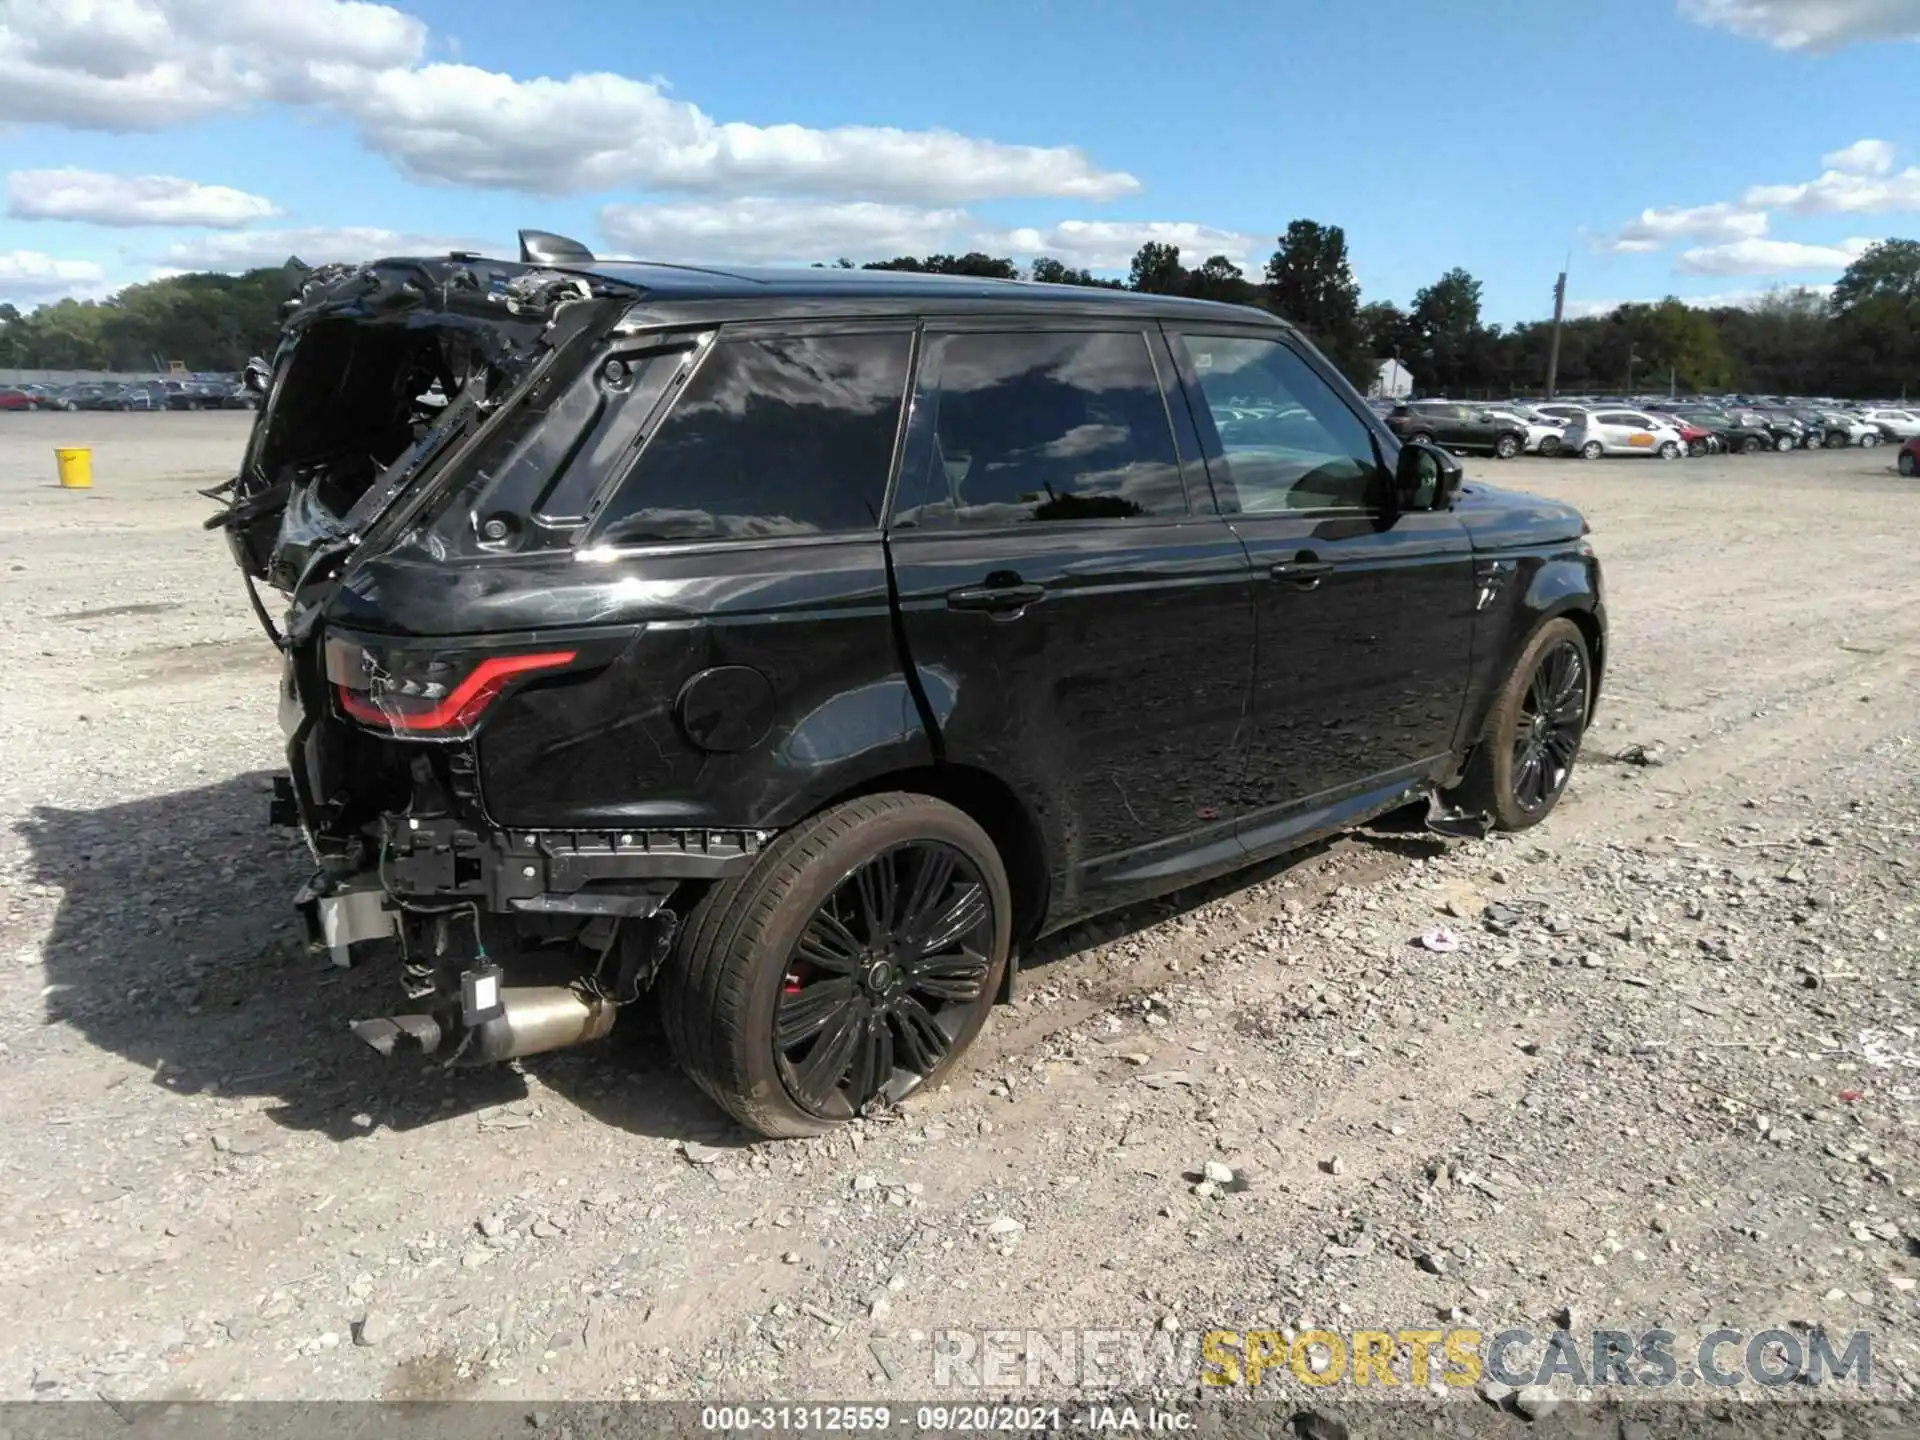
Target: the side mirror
(1425, 477)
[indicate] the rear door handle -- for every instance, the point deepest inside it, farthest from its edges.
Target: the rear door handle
(996, 599)
(1305, 570)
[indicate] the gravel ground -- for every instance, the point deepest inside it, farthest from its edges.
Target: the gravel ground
(1666, 1078)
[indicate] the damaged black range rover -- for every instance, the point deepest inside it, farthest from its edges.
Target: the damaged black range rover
(798, 647)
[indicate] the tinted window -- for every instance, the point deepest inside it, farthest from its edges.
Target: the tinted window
(1286, 440)
(1051, 427)
(771, 437)
(1616, 418)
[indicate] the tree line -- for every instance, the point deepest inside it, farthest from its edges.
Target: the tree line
(1862, 341)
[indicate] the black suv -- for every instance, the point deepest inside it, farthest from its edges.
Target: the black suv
(800, 646)
(1457, 427)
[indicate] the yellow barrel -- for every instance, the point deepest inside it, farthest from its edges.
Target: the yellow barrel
(76, 468)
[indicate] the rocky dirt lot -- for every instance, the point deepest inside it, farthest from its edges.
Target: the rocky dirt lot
(1660, 1069)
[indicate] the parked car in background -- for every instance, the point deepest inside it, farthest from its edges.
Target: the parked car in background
(1783, 433)
(12, 399)
(1893, 424)
(1735, 436)
(1542, 431)
(1844, 428)
(1457, 426)
(1909, 461)
(1623, 432)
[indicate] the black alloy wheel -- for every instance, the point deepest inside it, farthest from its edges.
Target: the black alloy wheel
(1553, 716)
(852, 964)
(1752, 445)
(1506, 447)
(1519, 769)
(1696, 448)
(887, 975)
(1907, 465)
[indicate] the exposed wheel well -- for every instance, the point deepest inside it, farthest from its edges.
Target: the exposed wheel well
(994, 806)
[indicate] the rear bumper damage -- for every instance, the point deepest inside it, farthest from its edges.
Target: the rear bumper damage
(438, 887)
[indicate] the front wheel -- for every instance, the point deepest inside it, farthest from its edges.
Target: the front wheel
(1869, 440)
(1669, 450)
(1550, 446)
(1421, 437)
(1520, 768)
(1783, 444)
(1907, 465)
(1752, 445)
(1696, 448)
(853, 963)
(1592, 450)
(1506, 447)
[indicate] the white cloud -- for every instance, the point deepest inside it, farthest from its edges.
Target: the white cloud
(145, 64)
(1838, 192)
(1655, 229)
(29, 278)
(130, 199)
(1720, 300)
(1813, 25)
(1863, 157)
(771, 230)
(1769, 257)
(1109, 244)
(774, 232)
(254, 249)
(463, 125)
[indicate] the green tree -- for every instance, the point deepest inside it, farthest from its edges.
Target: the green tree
(1452, 351)
(1310, 282)
(1218, 278)
(1156, 270)
(1887, 270)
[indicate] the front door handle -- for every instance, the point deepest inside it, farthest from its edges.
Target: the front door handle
(1304, 571)
(996, 599)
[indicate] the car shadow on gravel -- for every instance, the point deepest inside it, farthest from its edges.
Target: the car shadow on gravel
(176, 946)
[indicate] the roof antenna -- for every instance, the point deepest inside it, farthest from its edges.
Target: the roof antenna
(542, 247)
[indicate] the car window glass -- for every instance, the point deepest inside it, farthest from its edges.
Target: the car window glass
(1052, 426)
(1286, 439)
(770, 437)
(1616, 418)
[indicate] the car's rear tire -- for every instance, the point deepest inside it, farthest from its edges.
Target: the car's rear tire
(1421, 437)
(1669, 450)
(853, 963)
(1527, 749)
(1592, 450)
(1869, 440)
(1696, 448)
(1506, 447)
(1752, 445)
(1907, 465)
(1783, 444)
(1550, 446)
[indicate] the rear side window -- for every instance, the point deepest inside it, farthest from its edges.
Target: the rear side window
(1616, 418)
(771, 437)
(1051, 427)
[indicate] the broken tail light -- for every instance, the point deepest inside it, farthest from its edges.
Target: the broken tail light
(430, 693)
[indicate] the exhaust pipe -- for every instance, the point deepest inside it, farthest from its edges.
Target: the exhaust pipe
(532, 1020)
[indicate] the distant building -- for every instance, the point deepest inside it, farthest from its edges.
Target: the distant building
(1392, 381)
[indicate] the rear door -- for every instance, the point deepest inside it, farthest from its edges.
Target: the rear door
(1078, 628)
(1365, 613)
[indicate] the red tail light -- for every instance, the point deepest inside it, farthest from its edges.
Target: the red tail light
(433, 694)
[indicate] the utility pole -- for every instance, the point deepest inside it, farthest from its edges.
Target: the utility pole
(1553, 349)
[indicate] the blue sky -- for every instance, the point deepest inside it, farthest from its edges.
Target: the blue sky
(1769, 139)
